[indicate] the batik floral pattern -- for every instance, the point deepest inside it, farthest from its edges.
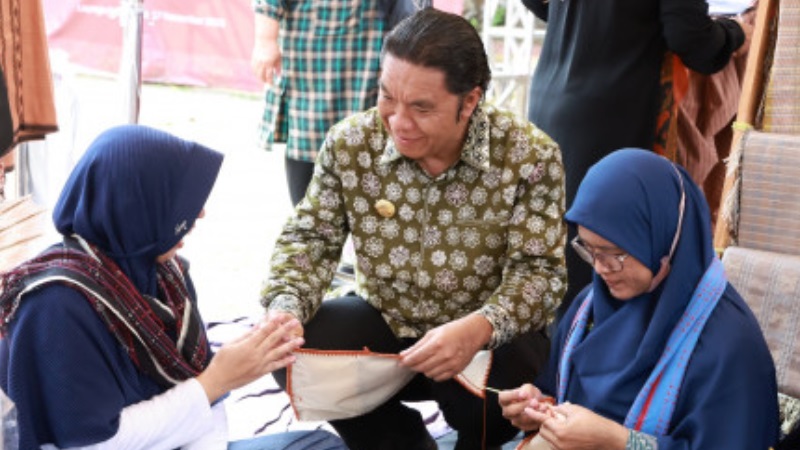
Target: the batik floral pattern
(486, 236)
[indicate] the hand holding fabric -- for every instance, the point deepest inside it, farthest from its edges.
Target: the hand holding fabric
(446, 350)
(266, 347)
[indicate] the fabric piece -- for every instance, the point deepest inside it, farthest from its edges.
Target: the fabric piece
(770, 282)
(292, 440)
(781, 109)
(768, 194)
(341, 384)
(333, 385)
(476, 374)
(26, 67)
(652, 410)
(164, 337)
(23, 226)
(494, 244)
(704, 120)
(330, 67)
(672, 89)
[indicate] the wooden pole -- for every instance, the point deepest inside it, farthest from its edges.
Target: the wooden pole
(753, 86)
(130, 72)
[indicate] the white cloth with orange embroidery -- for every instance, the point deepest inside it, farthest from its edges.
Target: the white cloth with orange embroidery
(339, 384)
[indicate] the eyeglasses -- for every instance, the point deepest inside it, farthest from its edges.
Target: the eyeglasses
(612, 262)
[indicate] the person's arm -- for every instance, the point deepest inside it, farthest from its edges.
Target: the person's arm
(73, 376)
(705, 45)
(534, 276)
(169, 420)
(266, 58)
(308, 249)
(182, 416)
(217, 435)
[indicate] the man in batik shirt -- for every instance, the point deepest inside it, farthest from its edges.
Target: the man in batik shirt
(455, 211)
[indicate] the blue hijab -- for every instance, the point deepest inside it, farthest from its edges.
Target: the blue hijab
(632, 198)
(135, 194)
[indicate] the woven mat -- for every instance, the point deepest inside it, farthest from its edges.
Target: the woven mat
(23, 226)
(782, 102)
(769, 209)
(770, 283)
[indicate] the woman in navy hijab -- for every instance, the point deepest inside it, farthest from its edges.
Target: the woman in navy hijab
(102, 342)
(660, 351)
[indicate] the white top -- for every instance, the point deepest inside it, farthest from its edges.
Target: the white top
(179, 418)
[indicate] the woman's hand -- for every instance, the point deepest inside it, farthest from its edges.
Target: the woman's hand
(283, 317)
(266, 347)
(577, 428)
(525, 407)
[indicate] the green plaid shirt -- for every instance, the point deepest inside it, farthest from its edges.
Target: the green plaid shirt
(330, 67)
(485, 236)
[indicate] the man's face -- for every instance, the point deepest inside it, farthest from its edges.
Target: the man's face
(427, 123)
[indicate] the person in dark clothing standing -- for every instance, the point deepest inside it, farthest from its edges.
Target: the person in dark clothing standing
(596, 87)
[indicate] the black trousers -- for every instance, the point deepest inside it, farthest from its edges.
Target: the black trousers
(298, 177)
(350, 323)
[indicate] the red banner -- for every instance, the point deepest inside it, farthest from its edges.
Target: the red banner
(194, 42)
(198, 42)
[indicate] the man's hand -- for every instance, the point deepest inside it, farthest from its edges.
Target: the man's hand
(283, 317)
(446, 350)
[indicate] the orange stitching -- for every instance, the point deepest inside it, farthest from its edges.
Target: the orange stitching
(365, 352)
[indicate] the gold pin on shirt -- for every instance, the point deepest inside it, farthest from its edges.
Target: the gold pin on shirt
(385, 208)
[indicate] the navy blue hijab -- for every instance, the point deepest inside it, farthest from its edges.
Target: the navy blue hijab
(728, 396)
(631, 198)
(135, 194)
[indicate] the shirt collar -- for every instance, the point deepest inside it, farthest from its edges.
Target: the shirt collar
(476, 147)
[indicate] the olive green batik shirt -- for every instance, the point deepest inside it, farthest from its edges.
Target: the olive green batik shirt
(486, 236)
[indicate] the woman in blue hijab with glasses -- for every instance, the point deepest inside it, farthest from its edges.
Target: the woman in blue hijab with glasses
(103, 345)
(659, 351)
